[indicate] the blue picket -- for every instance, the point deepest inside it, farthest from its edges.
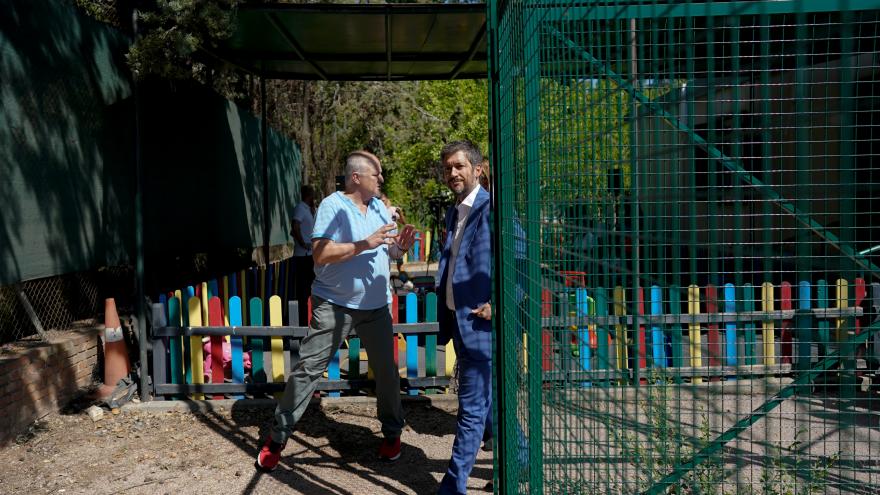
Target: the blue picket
(583, 332)
(412, 341)
(233, 285)
(333, 371)
(730, 326)
(657, 340)
(236, 343)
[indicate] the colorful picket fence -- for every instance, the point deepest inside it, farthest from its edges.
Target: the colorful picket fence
(181, 325)
(698, 333)
(420, 249)
(262, 282)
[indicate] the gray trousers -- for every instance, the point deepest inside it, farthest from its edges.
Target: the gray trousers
(330, 325)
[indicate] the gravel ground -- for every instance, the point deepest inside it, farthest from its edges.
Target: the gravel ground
(148, 451)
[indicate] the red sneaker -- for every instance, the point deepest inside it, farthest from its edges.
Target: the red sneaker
(390, 449)
(270, 454)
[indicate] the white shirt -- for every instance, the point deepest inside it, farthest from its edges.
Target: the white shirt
(303, 214)
(464, 209)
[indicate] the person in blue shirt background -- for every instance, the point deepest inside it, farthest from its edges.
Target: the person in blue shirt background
(303, 273)
(352, 240)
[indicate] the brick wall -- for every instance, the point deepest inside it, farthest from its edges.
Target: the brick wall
(38, 378)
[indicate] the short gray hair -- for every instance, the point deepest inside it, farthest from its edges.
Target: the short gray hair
(359, 161)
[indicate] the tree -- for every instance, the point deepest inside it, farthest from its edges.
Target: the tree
(441, 111)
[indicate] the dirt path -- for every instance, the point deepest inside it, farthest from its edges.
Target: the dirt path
(149, 452)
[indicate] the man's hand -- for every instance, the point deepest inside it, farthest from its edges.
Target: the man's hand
(484, 312)
(406, 238)
(326, 251)
(381, 236)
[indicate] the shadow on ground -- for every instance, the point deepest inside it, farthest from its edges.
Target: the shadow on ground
(333, 450)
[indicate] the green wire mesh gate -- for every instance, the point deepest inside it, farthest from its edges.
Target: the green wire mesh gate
(687, 269)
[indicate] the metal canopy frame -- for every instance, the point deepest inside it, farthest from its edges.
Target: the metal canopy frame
(359, 42)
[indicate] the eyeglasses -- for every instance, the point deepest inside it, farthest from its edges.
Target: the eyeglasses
(368, 175)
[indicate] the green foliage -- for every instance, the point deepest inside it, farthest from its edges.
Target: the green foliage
(440, 111)
(102, 10)
(790, 473)
(586, 130)
(173, 32)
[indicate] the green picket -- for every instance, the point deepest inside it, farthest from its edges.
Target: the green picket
(258, 371)
(430, 339)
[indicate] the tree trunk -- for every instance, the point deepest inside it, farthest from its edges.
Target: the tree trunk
(306, 135)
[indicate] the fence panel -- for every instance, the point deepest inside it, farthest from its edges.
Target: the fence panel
(238, 361)
(694, 184)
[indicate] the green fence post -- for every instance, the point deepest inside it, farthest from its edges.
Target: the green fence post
(534, 168)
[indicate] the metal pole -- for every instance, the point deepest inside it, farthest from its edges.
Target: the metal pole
(29, 309)
(264, 145)
(501, 415)
(532, 103)
(141, 326)
(634, 211)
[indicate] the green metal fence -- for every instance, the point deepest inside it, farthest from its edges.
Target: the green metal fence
(688, 282)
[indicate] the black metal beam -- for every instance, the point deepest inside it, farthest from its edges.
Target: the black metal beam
(280, 75)
(364, 9)
(240, 58)
(283, 31)
(471, 52)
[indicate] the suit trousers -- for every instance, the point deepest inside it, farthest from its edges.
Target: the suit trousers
(474, 410)
(330, 325)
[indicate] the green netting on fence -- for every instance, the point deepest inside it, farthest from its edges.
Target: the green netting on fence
(688, 264)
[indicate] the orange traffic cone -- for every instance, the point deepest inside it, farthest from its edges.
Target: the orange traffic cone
(116, 362)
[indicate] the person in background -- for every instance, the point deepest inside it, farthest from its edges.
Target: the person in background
(464, 290)
(395, 211)
(486, 175)
(301, 226)
(351, 243)
(396, 217)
